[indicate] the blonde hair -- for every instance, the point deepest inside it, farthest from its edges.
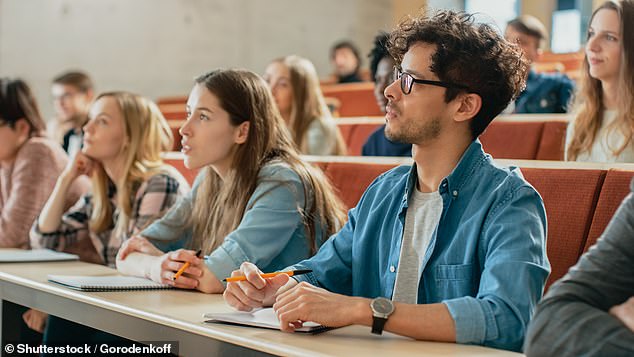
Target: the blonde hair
(220, 204)
(147, 135)
(308, 104)
(589, 106)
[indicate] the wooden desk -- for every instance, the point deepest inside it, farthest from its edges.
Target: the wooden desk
(175, 315)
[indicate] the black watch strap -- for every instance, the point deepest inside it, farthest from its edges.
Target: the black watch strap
(377, 325)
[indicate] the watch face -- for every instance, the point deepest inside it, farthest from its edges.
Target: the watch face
(382, 305)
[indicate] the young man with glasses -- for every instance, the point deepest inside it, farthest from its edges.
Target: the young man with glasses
(450, 249)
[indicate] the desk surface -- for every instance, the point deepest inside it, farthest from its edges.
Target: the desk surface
(177, 315)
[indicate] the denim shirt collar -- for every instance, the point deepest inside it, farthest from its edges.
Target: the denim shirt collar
(459, 176)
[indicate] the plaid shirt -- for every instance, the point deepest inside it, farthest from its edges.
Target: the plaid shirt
(153, 199)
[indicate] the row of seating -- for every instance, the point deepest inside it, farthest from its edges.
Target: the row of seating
(522, 137)
(580, 198)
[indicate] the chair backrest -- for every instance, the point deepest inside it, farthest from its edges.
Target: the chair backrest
(357, 99)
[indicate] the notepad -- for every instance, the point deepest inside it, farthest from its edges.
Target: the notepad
(35, 255)
(263, 318)
(106, 283)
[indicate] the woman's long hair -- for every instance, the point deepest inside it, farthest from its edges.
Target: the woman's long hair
(219, 203)
(309, 104)
(589, 106)
(147, 135)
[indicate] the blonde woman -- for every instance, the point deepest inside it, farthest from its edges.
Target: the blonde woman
(254, 199)
(131, 186)
(295, 86)
(604, 124)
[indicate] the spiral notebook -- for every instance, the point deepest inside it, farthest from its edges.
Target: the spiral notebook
(106, 283)
(263, 318)
(35, 255)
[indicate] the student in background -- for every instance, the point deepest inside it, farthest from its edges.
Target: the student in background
(345, 59)
(254, 199)
(131, 186)
(29, 165)
(590, 311)
(382, 70)
(295, 87)
(73, 93)
(433, 251)
(545, 92)
(604, 121)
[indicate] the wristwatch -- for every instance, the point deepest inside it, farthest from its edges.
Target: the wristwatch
(382, 308)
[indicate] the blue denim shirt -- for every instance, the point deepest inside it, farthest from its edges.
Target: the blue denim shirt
(545, 93)
(486, 260)
(271, 233)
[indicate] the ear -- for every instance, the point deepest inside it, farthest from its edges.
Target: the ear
(23, 128)
(242, 133)
(470, 105)
(540, 52)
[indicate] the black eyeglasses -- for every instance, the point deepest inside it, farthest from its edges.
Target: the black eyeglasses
(407, 81)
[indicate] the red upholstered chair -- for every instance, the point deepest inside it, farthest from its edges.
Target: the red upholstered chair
(512, 140)
(615, 187)
(553, 141)
(570, 197)
(358, 137)
(351, 179)
(189, 175)
(357, 99)
(346, 131)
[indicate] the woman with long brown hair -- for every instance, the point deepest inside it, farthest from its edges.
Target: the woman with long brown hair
(254, 199)
(604, 123)
(295, 86)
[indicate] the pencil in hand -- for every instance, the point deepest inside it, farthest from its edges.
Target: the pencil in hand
(185, 266)
(269, 275)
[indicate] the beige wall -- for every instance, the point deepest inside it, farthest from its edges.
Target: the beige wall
(156, 47)
(402, 8)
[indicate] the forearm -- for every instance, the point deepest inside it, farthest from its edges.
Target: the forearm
(430, 322)
(51, 215)
(560, 328)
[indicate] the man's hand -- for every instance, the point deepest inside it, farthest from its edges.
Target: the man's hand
(255, 292)
(625, 313)
(305, 302)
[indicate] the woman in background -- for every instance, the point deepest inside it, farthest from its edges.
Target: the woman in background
(295, 86)
(254, 199)
(604, 123)
(29, 166)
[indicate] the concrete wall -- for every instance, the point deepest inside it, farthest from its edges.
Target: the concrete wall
(156, 47)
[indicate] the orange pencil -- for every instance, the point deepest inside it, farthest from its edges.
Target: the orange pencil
(269, 275)
(185, 266)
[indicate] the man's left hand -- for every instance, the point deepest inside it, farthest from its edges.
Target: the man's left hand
(305, 302)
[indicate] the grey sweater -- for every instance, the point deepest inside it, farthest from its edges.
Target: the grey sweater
(573, 319)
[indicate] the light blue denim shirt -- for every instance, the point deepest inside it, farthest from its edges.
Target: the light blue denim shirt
(486, 261)
(271, 234)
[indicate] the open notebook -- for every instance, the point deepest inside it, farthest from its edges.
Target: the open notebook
(35, 255)
(264, 318)
(105, 283)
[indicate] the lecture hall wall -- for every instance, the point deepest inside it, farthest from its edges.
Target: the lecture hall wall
(156, 47)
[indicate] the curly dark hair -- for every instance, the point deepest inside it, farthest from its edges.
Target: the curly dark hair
(467, 53)
(378, 52)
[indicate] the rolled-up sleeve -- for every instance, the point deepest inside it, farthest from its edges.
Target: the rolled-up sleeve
(512, 281)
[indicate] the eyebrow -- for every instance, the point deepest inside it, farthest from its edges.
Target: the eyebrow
(604, 31)
(415, 73)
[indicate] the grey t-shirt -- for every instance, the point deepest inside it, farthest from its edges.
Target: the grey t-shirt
(422, 217)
